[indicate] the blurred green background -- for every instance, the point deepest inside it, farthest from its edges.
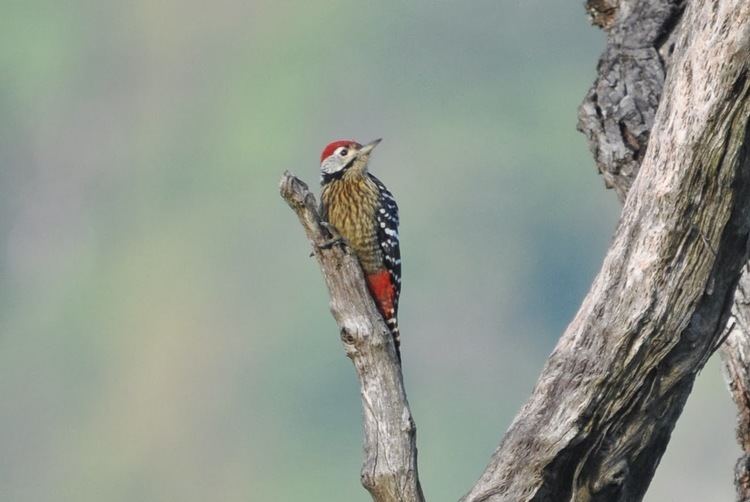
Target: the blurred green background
(164, 334)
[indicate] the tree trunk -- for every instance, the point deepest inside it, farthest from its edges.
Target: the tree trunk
(736, 356)
(617, 118)
(604, 407)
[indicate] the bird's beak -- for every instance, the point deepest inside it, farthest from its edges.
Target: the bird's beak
(365, 150)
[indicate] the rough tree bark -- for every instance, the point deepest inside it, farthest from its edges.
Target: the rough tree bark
(617, 117)
(736, 356)
(389, 471)
(618, 112)
(604, 407)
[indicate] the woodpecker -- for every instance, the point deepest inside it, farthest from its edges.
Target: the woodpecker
(364, 212)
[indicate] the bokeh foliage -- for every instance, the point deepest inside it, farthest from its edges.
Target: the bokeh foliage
(163, 334)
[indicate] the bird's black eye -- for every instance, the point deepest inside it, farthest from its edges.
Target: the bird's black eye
(343, 152)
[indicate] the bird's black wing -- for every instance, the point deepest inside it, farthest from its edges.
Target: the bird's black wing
(387, 222)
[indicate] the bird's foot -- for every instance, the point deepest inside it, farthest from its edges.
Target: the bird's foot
(335, 239)
(331, 242)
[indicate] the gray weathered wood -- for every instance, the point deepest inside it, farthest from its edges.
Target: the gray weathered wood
(603, 409)
(736, 356)
(618, 112)
(389, 471)
(616, 117)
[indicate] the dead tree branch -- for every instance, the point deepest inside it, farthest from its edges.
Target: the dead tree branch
(618, 112)
(604, 407)
(389, 471)
(736, 356)
(617, 117)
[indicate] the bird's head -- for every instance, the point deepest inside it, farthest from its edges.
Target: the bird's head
(344, 155)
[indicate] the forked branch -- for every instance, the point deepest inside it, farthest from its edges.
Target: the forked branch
(604, 407)
(617, 117)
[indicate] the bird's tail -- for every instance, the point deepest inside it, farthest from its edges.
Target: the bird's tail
(392, 323)
(383, 291)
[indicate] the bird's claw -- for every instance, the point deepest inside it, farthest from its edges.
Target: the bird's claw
(331, 229)
(330, 243)
(334, 240)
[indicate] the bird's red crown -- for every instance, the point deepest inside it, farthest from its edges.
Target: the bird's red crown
(331, 147)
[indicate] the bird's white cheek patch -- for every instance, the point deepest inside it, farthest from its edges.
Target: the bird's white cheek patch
(331, 165)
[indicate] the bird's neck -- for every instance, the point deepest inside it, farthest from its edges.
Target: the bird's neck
(354, 173)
